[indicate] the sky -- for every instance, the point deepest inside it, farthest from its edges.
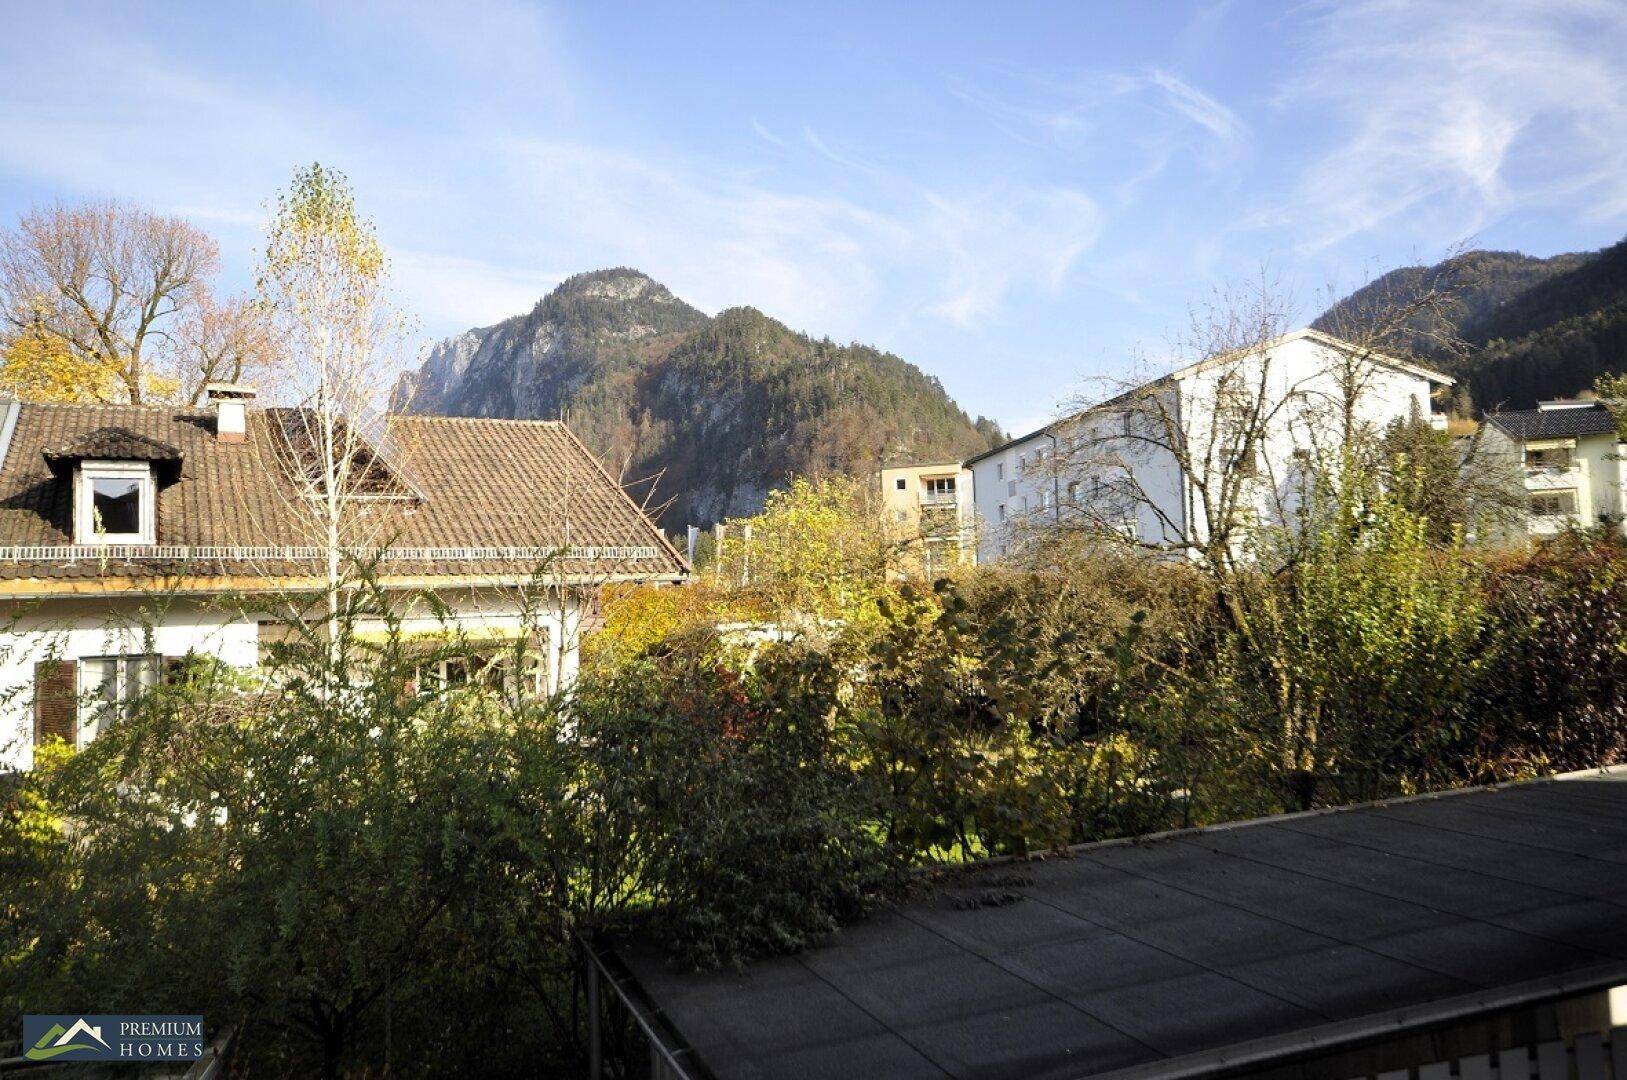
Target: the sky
(1019, 198)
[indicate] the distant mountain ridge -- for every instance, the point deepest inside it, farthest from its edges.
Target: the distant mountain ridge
(703, 416)
(1537, 328)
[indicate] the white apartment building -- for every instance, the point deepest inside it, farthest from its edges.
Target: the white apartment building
(1570, 460)
(1113, 462)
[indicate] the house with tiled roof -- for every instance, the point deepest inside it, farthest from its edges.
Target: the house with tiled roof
(1571, 461)
(106, 509)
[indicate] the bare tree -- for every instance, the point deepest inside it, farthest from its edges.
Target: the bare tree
(109, 281)
(1258, 449)
(224, 341)
(1246, 457)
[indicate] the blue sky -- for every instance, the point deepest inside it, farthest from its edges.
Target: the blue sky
(1014, 197)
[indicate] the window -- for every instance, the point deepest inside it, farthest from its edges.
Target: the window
(1001, 511)
(1000, 470)
(116, 502)
(110, 687)
(1129, 423)
(494, 671)
(113, 503)
(1045, 500)
(1073, 491)
(939, 489)
(1022, 462)
(1556, 458)
(1553, 503)
(900, 484)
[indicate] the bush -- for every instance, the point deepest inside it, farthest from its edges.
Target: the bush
(1556, 694)
(750, 827)
(306, 856)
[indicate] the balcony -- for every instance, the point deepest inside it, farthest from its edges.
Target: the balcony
(930, 499)
(1572, 474)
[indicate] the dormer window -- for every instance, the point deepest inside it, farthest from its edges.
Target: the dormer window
(114, 503)
(115, 475)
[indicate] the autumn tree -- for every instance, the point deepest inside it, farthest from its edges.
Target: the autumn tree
(322, 285)
(819, 550)
(106, 284)
(37, 365)
(228, 340)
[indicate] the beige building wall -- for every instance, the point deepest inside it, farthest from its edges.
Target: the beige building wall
(929, 509)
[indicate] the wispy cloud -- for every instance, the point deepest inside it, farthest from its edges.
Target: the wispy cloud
(837, 157)
(816, 261)
(990, 247)
(1448, 118)
(1140, 120)
(1220, 122)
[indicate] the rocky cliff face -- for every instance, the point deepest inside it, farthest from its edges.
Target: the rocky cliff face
(534, 365)
(701, 417)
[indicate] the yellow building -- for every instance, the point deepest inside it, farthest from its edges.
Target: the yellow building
(929, 507)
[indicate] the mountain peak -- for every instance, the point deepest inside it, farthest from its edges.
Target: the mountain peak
(702, 415)
(616, 283)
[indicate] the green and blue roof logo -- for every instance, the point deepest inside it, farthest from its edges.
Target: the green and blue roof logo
(113, 1037)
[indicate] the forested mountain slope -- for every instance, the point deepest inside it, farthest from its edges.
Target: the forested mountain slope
(701, 415)
(1536, 328)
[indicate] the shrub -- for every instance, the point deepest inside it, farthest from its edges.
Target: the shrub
(1556, 694)
(750, 829)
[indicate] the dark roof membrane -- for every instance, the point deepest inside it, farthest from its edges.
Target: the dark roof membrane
(1178, 955)
(1555, 423)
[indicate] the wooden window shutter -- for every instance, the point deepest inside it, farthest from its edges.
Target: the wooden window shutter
(56, 701)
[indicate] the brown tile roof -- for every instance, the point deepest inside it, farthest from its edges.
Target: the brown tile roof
(496, 497)
(115, 444)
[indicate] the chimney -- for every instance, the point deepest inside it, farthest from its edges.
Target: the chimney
(231, 402)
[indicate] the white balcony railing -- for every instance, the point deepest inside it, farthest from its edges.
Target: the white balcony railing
(1549, 477)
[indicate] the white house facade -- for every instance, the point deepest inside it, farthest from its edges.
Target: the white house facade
(1128, 463)
(1570, 460)
(132, 537)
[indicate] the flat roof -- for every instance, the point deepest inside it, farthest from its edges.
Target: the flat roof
(1190, 953)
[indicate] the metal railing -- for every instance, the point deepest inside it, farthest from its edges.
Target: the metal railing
(271, 553)
(1590, 1056)
(669, 1058)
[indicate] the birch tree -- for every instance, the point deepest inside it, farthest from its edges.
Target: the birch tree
(322, 285)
